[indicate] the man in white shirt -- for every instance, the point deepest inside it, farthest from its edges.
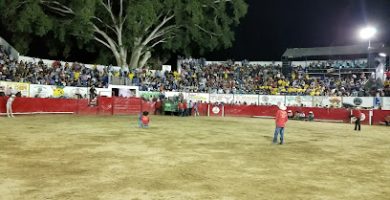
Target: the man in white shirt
(9, 105)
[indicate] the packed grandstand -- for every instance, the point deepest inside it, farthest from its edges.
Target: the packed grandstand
(220, 78)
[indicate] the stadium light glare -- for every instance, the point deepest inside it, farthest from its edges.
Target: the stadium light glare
(382, 55)
(368, 32)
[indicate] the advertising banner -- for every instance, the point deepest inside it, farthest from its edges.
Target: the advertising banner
(221, 98)
(41, 91)
(331, 102)
(271, 100)
(173, 94)
(196, 97)
(14, 87)
(75, 92)
(149, 95)
(52, 91)
(247, 99)
(365, 102)
(386, 103)
(306, 101)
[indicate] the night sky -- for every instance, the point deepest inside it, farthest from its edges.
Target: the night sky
(272, 26)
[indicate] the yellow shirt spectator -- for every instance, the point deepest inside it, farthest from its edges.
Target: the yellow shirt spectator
(176, 75)
(131, 75)
(76, 75)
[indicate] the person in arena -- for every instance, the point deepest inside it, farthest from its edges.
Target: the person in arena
(310, 117)
(280, 121)
(9, 105)
(144, 120)
(290, 114)
(196, 109)
(357, 114)
(189, 108)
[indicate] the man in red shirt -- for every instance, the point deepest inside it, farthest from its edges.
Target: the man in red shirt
(280, 120)
(185, 108)
(357, 114)
(181, 109)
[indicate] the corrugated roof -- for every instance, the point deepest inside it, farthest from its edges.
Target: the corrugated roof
(334, 51)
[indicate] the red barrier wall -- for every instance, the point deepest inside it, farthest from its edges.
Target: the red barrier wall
(125, 106)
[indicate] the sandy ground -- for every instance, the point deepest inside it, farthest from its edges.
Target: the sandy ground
(78, 158)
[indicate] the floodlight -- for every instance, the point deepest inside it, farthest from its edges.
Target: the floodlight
(367, 33)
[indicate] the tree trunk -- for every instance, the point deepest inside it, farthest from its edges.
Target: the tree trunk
(147, 55)
(135, 56)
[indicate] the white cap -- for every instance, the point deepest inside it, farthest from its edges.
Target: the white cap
(282, 107)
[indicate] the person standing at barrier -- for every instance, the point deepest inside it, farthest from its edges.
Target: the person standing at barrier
(189, 109)
(356, 113)
(10, 101)
(196, 109)
(180, 105)
(185, 109)
(280, 121)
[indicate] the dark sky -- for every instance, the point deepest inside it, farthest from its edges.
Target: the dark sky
(274, 25)
(271, 26)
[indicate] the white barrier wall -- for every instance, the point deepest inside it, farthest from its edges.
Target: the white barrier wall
(249, 99)
(271, 100)
(359, 101)
(45, 91)
(307, 101)
(14, 87)
(386, 103)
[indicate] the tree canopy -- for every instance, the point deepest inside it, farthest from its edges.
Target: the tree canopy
(129, 29)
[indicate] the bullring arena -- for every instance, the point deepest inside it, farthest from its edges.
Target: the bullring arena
(194, 100)
(107, 156)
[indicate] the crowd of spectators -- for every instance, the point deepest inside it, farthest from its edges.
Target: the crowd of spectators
(57, 74)
(194, 77)
(257, 79)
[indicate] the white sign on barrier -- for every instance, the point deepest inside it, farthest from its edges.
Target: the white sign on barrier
(306, 101)
(41, 91)
(221, 98)
(195, 97)
(52, 91)
(248, 99)
(271, 100)
(172, 94)
(366, 102)
(322, 101)
(74, 92)
(13, 87)
(386, 103)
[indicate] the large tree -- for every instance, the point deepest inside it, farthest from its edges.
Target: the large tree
(129, 29)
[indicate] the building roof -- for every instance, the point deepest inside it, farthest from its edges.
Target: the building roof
(351, 50)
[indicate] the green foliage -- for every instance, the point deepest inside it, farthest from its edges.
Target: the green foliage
(200, 25)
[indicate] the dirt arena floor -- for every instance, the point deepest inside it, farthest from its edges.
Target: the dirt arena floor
(109, 158)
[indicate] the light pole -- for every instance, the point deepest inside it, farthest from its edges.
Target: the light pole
(368, 33)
